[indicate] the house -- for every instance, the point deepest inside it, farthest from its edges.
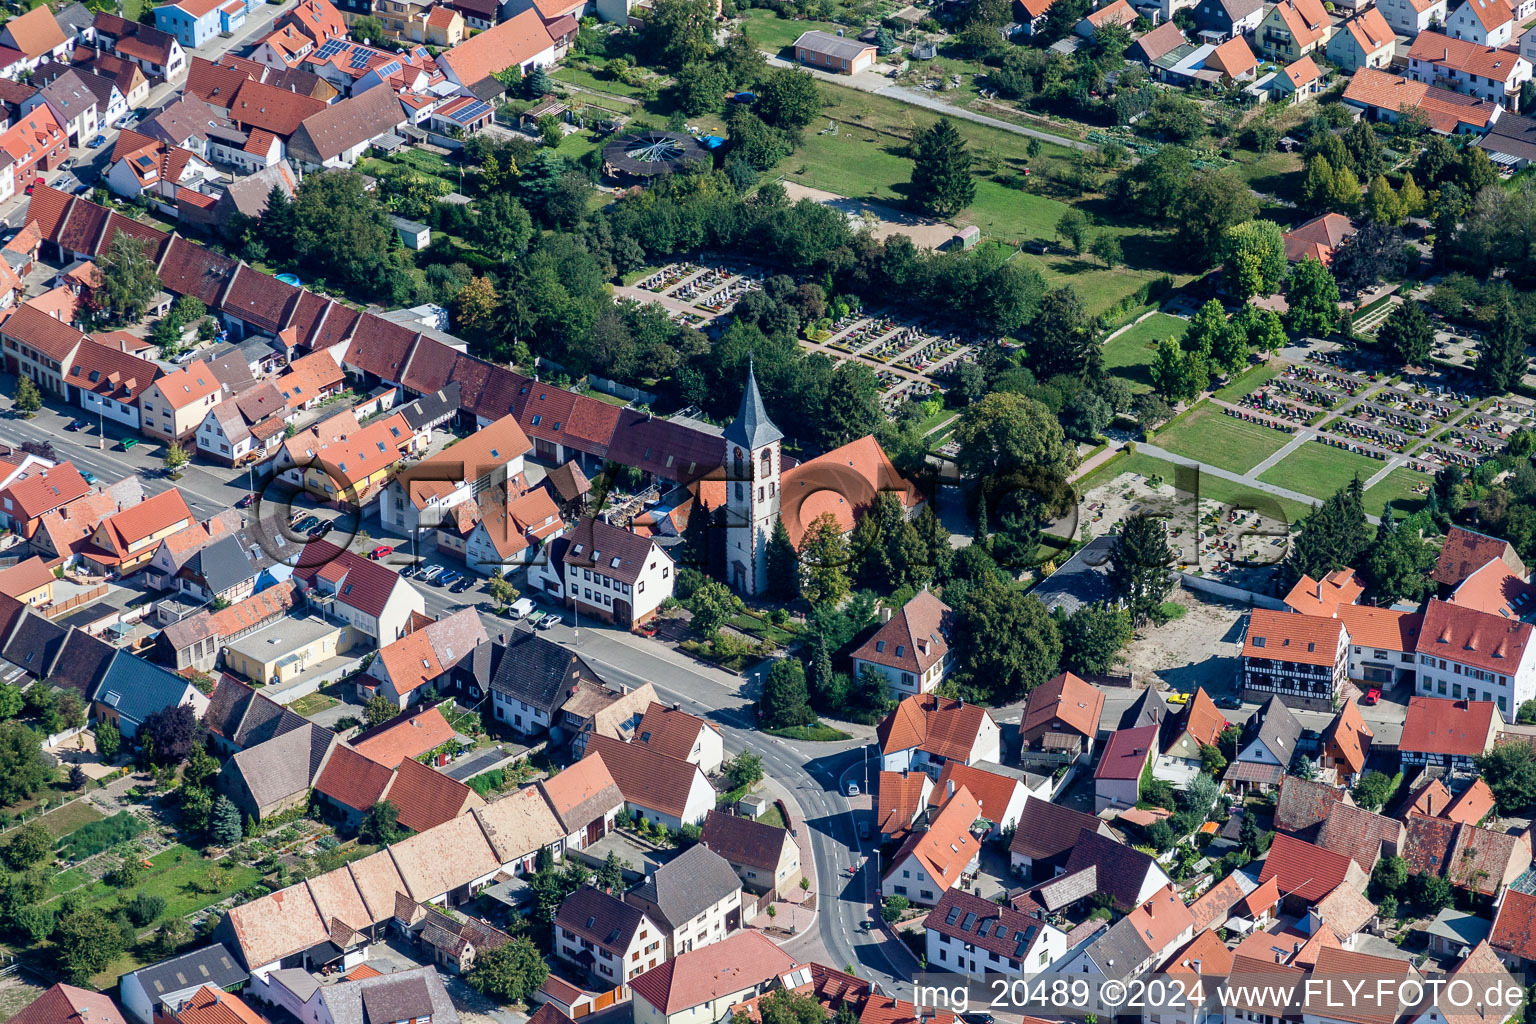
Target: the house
(903, 798)
(1118, 953)
(73, 103)
(1364, 41)
(1298, 81)
(285, 650)
(1346, 744)
(109, 383)
(370, 597)
(683, 736)
(196, 642)
(765, 857)
(1488, 23)
(1480, 966)
(429, 490)
(238, 716)
(309, 379)
(522, 41)
(925, 731)
(911, 649)
(66, 1004)
(168, 985)
(158, 54)
(1117, 12)
(1448, 733)
(1029, 15)
(1220, 20)
(125, 541)
(695, 899)
(704, 984)
(974, 936)
(1382, 642)
(613, 941)
(614, 574)
(29, 582)
(1485, 862)
(1294, 28)
(246, 428)
(405, 669)
(276, 775)
(1472, 806)
(338, 135)
(1384, 97)
(455, 941)
(1303, 806)
(1151, 46)
(409, 734)
(1410, 17)
(35, 36)
(1266, 749)
(37, 345)
(133, 689)
(1465, 551)
(507, 531)
(1061, 721)
(1306, 873)
(585, 799)
(1000, 792)
(316, 19)
(1198, 725)
(929, 862)
(1127, 756)
(520, 826)
(37, 489)
(1302, 659)
(532, 678)
(664, 789)
(1045, 837)
(173, 407)
(1514, 930)
(1495, 589)
(837, 54)
(1127, 877)
(350, 783)
(192, 22)
(1362, 836)
(1485, 71)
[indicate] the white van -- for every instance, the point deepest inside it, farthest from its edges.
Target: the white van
(521, 608)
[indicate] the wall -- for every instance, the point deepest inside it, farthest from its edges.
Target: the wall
(624, 391)
(1230, 593)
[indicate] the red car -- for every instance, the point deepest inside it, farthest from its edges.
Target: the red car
(35, 182)
(1372, 695)
(245, 502)
(381, 551)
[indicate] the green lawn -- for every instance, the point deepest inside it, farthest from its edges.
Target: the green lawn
(600, 81)
(1396, 490)
(1129, 355)
(1319, 470)
(1248, 382)
(172, 876)
(1211, 436)
(66, 819)
(774, 33)
(313, 704)
(1212, 488)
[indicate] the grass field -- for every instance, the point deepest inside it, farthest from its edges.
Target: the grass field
(1248, 382)
(771, 32)
(1319, 470)
(1396, 490)
(313, 704)
(600, 81)
(1129, 355)
(1211, 488)
(71, 816)
(1216, 439)
(174, 875)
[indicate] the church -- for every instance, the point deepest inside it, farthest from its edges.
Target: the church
(761, 484)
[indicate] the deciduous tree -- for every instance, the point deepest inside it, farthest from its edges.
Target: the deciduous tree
(28, 399)
(824, 561)
(1253, 254)
(1313, 297)
(378, 826)
(511, 972)
(379, 710)
(128, 279)
(1008, 642)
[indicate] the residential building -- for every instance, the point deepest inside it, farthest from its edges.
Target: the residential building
(244, 429)
(350, 783)
(173, 407)
(276, 775)
(1306, 873)
(37, 489)
(1293, 29)
(1198, 725)
(370, 597)
(1466, 652)
(1488, 23)
(1382, 643)
(1220, 20)
(1267, 748)
(308, 380)
(1360, 835)
(1346, 743)
(585, 799)
(1126, 877)
(1298, 81)
(66, 1004)
(531, 679)
(695, 899)
(903, 799)
(614, 574)
(1117, 778)
(925, 731)
(939, 858)
(166, 986)
(1485, 71)
(613, 941)
(37, 345)
(522, 41)
(1514, 930)
(666, 790)
(1061, 722)
(409, 734)
(73, 104)
(406, 668)
(192, 22)
(1302, 806)
(1045, 837)
(34, 36)
(1448, 733)
(837, 54)
(912, 648)
(1384, 97)
(704, 984)
(422, 497)
(765, 857)
(506, 531)
(1465, 551)
(977, 937)
(132, 689)
(1363, 41)
(1151, 46)
(285, 650)
(338, 135)
(109, 383)
(684, 736)
(1117, 12)
(1302, 659)
(1000, 792)
(1410, 17)
(125, 541)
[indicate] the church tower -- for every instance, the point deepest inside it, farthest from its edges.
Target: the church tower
(752, 490)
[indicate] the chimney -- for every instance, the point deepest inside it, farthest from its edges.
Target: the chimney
(676, 706)
(623, 688)
(885, 614)
(949, 789)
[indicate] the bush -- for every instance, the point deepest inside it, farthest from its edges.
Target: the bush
(144, 908)
(894, 907)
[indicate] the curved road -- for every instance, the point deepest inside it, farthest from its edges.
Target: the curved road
(811, 774)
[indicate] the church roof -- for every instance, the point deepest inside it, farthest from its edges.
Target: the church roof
(752, 429)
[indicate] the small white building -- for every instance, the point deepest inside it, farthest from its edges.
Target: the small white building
(608, 938)
(165, 986)
(927, 731)
(1484, 22)
(688, 737)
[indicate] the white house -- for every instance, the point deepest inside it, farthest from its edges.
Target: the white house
(165, 986)
(701, 986)
(614, 574)
(912, 648)
(1484, 22)
(423, 494)
(1000, 791)
(973, 936)
(370, 597)
(663, 789)
(927, 731)
(612, 940)
(684, 736)
(930, 862)
(695, 898)
(1410, 17)
(1483, 70)
(1477, 655)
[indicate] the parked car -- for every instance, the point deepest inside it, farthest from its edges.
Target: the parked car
(306, 524)
(246, 501)
(1231, 703)
(35, 182)
(96, 142)
(852, 789)
(462, 584)
(382, 551)
(863, 830)
(129, 443)
(76, 425)
(430, 573)
(1372, 696)
(521, 608)
(123, 122)
(320, 531)
(88, 477)
(448, 577)
(81, 189)
(1178, 698)
(549, 621)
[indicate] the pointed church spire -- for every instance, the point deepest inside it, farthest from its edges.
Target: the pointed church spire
(752, 429)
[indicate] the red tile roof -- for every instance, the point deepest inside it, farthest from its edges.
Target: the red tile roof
(915, 638)
(65, 1004)
(993, 792)
(947, 846)
(408, 736)
(901, 797)
(1473, 805)
(151, 516)
(42, 490)
(32, 327)
(427, 798)
(1428, 848)
(111, 373)
(647, 777)
(743, 961)
(1514, 927)
(943, 726)
(1308, 871)
(1126, 753)
(1324, 596)
(35, 32)
(1465, 551)
(353, 779)
(1067, 700)
(360, 582)
(1445, 110)
(210, 1005)
(1292, 637)
(514, 41)
(1434, 725)
(1491, 62)
(1348, 738)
